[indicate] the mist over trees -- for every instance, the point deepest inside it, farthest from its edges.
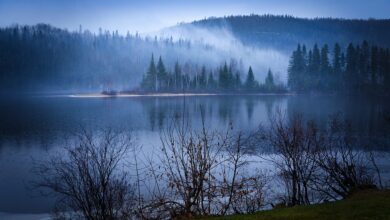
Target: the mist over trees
(45, 58)
(361, 68)
(225, 78)
(285, 32)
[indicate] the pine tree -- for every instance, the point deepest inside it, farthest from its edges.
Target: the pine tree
(337, 71)
(374, 67)
(150, 79)
(324, 76)
(269, 81)
(178, 78)
(161, 75)
(364, 64)
(202, 78)
(315, 68)
(211, 82)
(296, 70)
(224, 78)
(251, 83)
(237, 81)
(351, 67)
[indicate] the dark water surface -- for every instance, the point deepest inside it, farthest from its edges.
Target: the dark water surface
(32, 128)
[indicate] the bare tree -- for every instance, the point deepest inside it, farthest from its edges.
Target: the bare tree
(294, 143)
(89, 178)
(200, 173)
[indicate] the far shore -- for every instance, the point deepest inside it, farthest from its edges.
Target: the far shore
(166, 94)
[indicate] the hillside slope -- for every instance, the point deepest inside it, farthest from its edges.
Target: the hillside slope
(285, 32)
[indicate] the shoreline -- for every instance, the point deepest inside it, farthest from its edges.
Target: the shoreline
(166, 94)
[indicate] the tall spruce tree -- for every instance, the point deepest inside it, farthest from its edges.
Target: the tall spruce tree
(296, 70)
(269, 81)
(150, 79)
(351, 68)
(335, 78)
(211, 84)
(324, 77)
(161, 75)
(202, 79)
(364, 64)
(237, 81)
(374, 67)
(315, 67)
(178, 78)
(224, 77)
(250, 82)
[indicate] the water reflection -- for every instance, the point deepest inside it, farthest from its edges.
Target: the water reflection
(32, 126)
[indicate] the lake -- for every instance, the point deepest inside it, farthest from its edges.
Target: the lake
(32, 128)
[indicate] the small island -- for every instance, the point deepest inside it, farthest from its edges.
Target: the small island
(224, 80)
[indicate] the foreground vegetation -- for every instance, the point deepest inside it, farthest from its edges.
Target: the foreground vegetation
(205, 172)
(371, 204)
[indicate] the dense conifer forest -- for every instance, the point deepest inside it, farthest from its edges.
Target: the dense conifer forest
(225, 78)
(356, 68)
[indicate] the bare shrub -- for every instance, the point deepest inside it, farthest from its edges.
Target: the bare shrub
(344, 167)
(318, 165)
(200, 173)
(88, 178)
(294, 143)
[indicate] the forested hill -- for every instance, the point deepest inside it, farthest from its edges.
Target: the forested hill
(43, 58)
(285, 32)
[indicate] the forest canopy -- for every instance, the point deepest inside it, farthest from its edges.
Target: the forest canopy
(361, 68)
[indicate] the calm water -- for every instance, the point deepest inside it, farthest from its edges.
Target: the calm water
(32, 128)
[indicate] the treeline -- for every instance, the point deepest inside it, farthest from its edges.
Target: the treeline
(355, 69)
(42, 57)
(226, 78)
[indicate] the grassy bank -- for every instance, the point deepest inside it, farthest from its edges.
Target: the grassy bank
(363, 205)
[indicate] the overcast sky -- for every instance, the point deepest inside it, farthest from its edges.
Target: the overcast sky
(151, 15)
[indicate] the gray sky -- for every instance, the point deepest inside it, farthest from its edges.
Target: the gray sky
(150, 15)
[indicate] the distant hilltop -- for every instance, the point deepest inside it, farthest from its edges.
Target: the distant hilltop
(285, 32)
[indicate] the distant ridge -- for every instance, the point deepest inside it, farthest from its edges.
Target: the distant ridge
(285, 32)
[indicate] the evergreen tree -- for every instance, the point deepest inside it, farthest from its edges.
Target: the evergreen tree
(211, 82)
(335, 79)
(324, 76)
(364, 64)
(150, 79)
(269, 81)
(178, 78)
(351, 67)
(374, 67)
(296, 70)
(161, 75)
(224, 78)
(315, 67)
(202, 78)
(237, 81)
(230, 78)
(251, 83)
